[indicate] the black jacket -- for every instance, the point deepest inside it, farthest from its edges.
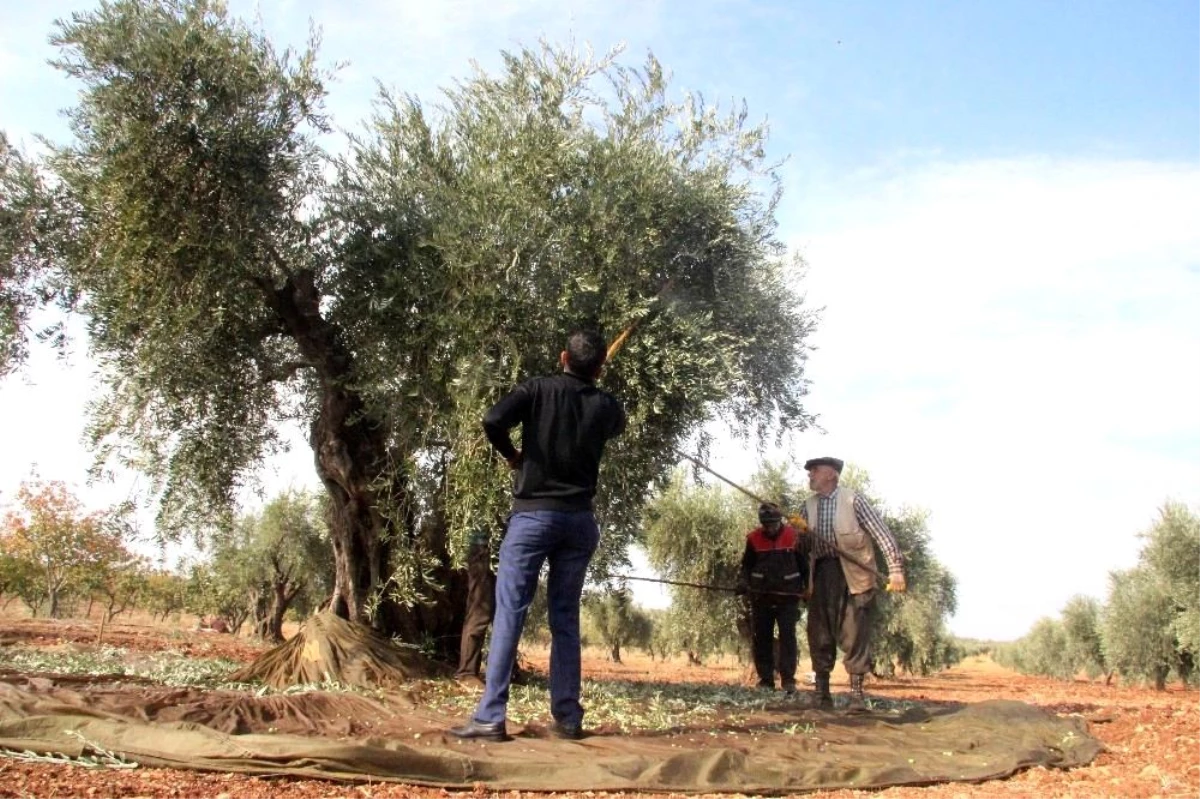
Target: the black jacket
(565, 422)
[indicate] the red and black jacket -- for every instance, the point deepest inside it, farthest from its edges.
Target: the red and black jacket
(772, 568)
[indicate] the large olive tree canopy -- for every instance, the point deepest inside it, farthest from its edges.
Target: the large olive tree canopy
(233, 274)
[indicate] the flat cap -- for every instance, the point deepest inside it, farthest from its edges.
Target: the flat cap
(812, 463)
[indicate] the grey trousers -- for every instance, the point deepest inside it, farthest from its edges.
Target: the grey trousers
(836, 619)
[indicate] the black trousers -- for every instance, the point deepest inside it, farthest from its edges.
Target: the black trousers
(766, 614)
(836, 618)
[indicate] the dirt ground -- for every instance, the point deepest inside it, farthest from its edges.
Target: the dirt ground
(1152, 738)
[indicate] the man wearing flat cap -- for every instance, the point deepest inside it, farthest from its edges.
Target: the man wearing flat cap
(843, 526)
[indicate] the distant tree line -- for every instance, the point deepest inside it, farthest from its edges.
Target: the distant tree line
(1149, 628)
(61, 561)
(276, 562)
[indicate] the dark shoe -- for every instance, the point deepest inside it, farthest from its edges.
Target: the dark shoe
(571, 732)
(789, 688)
(858, 700)
(765, 685)
(822, 699)
(481, 731)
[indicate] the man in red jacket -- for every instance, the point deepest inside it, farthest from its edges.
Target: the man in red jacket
(774, 575)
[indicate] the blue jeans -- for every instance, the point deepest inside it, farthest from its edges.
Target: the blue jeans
(567, 540)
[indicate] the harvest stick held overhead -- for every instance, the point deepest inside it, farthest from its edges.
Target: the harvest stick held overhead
(655, 308)
(795, 520)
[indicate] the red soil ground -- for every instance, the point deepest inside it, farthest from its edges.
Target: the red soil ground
(1152, 737)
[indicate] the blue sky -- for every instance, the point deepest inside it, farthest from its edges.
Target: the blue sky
(997, 204)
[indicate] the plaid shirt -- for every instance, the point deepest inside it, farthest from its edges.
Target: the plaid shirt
(868, 519)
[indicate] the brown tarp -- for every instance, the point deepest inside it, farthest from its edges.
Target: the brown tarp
(352, 737)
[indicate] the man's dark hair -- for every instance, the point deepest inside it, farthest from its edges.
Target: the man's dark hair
(585, 352)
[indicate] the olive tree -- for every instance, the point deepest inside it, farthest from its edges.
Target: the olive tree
(1137, 637)
(1172, 552)
(696, 534)
(1081, 633)
(230, 281)
(614, 618)
(289, 545)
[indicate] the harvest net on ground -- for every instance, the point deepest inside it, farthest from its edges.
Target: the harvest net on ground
(396, 735)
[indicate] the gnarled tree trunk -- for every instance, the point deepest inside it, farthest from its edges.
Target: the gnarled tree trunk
(349, 450)
(275, 604)
(354, 463)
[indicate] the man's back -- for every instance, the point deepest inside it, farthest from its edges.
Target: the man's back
(565, 422)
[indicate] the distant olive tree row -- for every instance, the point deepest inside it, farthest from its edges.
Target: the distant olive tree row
(1148, 629)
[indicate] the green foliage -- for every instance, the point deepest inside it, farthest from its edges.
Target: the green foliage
(1172, 552)
(1081, 633)
(1149, 626)
(697, 534)
(630, 707)
(1137, 634)
(165, 593)
(1042, 651)
(537, 620)
(219, 588)
(186, 180)
(1064, 647)
(910, 629)
(290, 542)
(613, 618)
(119, 582)
(264, 563)
(975, 647)
(16, 573)
(168, 668)
(566, 191)
(27, 224)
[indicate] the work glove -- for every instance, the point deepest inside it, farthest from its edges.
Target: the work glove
(798, 524)
(896, 583)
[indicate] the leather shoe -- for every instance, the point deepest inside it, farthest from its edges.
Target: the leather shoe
(572, 732)
(481, 731)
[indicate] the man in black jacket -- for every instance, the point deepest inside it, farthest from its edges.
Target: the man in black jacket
(565, 422)
(774, 574)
